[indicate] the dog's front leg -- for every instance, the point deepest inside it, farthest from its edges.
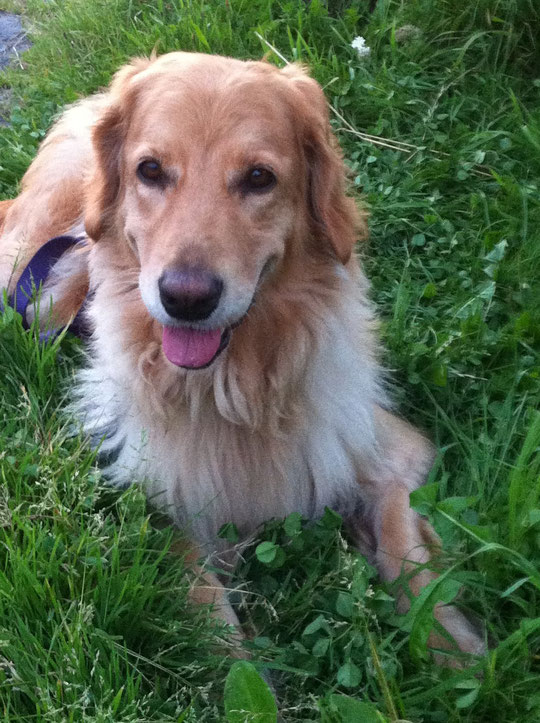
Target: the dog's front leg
(206, 589)
(401, 541)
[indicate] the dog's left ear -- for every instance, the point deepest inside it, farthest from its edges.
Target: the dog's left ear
(334, 217)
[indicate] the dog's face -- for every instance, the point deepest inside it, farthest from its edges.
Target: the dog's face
(215, 173)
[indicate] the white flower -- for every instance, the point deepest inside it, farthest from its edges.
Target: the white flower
(359, 44)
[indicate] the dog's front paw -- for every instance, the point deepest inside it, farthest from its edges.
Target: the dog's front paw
(466, 637)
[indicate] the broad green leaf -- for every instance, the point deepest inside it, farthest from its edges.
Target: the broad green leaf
(331, 520)
(439, 375)
(430, 290)
(229, 532)
(424, 498)
(320, 623)
(467, 699)
(350, 710)
(266, 552)
(320, 647)
(345, 604)
(248, 699)
(293, 524)
(455, 505)
(349, 675)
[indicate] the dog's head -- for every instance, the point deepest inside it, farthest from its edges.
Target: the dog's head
(214, 175)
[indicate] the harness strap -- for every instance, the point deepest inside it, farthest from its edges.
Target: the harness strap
(34, 276)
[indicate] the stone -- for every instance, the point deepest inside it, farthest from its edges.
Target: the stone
(13, 41)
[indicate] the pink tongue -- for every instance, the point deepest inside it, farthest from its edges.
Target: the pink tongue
(190, 347)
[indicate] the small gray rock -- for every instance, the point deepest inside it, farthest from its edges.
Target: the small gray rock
(13, 39)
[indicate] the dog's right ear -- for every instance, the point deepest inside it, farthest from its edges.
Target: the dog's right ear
(107, 138)
(4, 208)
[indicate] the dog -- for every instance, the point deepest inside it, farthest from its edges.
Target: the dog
(233, 362)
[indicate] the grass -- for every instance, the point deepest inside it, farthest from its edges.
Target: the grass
(454, 259)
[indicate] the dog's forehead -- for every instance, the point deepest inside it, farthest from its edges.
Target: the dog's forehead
(202, 69)
(226, 97)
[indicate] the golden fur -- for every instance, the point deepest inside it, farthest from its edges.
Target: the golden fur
(292, 416)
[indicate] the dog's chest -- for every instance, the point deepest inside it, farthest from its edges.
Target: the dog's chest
(209, 472)
(205, 470)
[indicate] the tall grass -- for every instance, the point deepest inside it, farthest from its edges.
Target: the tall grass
(94, 619)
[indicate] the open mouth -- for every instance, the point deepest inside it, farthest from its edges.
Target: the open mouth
(198, 348)
(193, 348)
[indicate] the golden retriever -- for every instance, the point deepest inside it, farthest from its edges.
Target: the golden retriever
(233, 365)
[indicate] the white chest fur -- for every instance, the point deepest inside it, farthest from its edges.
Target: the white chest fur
(201, 463)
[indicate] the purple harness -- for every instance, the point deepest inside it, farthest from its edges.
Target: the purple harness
(34, 276)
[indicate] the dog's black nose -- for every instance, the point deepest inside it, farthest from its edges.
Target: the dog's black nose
(189, 294)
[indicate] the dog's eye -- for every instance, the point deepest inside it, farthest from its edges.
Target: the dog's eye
(259, 179)
(150, 171)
